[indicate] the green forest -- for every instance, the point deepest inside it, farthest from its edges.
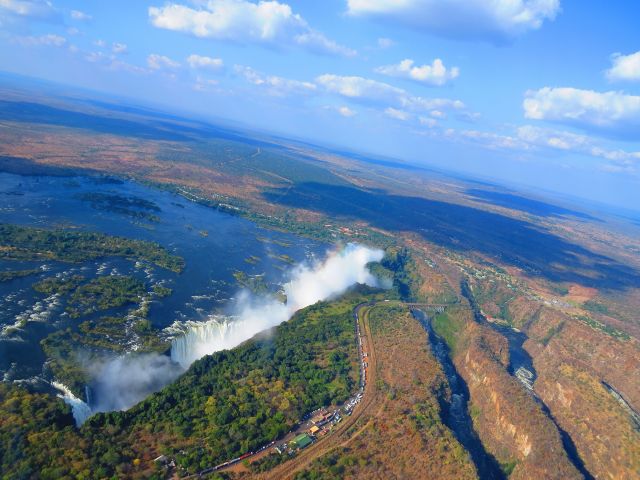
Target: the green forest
(65, 245)
(225, 405)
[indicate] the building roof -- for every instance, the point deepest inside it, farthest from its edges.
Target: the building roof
(302, 440)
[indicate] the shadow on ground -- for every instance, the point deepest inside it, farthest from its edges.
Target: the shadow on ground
(462, 228)
(523, 204)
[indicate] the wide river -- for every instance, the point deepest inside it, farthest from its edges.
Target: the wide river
(214, 245)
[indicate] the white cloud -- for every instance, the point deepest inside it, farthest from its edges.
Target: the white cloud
(435, 74)
(532, 138)
(360, 88)
(277, 86)
(100, 43)
(318, 43)
(267, 22)
(613, 114)
(34, 9)
(494, 20)
(429, 122)
(160, 62)
(560, 140)
(118, 48)
(207, 63)
(385, 42)
(346, 111)
(119, 65)
(205, 84)
(50, 40)
(397, 114)
(81, 16)
(569, 141)
(625, 67)
(490, 140)
(95, 57)
(372, 92)
(113, 63)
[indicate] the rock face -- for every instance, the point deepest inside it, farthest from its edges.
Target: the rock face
(510, 423)
(587, 375)
(574, 369)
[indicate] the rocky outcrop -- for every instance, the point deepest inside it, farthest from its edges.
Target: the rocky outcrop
(510, 423)
(574, 367)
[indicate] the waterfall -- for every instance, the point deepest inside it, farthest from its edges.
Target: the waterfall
(308, 284)
(81, 411)
(199, 339)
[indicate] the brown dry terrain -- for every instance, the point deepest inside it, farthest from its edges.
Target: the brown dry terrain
(398, 432)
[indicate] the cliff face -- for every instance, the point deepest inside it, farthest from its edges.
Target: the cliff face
(588, 374)
(510, 423)
(557, 338)
(572, 366)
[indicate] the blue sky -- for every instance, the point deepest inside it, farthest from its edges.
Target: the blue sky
(544, 93)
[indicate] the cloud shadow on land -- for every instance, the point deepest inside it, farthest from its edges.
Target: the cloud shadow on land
(523, 204)
(464, 229)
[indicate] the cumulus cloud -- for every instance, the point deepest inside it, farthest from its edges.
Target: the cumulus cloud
(435, 74)
(497, 21)
(207, 63)
(160, 62)
(81, 16)
(266, 22)
(374, 93)
(278, 86)
(612, 113)
(624, 67)
(33, 9)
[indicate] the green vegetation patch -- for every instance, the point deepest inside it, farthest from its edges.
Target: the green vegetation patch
(103, 293)
(283, 258)
(608, 329)
(160, 291)
(449, 325)
(255, 283)
(406, 280)
(26, 243)
(8, 275)
(58, 285)
(596, 307)
(36, 432)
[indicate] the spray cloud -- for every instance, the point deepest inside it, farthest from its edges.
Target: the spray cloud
(121, 382)
(308, 284)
